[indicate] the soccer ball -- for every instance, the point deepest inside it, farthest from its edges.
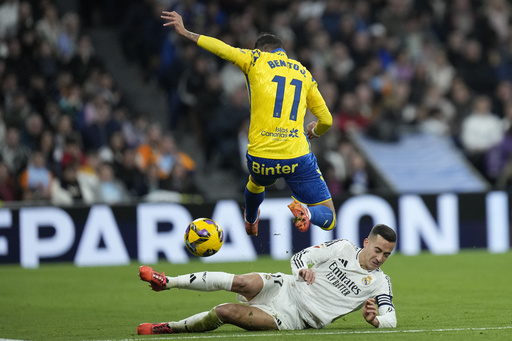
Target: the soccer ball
(204, 237)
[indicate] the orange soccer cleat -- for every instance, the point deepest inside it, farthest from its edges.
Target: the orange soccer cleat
(301, 215)
(155, 279)
(154, 328)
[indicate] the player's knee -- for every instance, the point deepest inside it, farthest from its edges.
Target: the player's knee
(227, 312)
(241, 284)
(253, 186)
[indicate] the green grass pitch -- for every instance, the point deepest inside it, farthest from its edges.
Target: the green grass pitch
(458, 297)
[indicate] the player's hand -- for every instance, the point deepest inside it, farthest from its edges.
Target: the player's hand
(308, 275)
(309, 129)
(175, 20)
(370, 312)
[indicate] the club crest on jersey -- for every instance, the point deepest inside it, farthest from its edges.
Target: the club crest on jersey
(366, 280)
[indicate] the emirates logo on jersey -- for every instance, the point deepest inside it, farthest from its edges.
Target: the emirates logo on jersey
(366, 280)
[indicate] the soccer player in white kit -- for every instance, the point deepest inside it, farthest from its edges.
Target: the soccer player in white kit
(329, 281)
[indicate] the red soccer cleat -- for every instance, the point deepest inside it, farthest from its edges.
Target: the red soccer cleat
(155, 279)
(154, 328)
(252, 228)
(301, 215)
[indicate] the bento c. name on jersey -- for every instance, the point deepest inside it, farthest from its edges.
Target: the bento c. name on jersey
(284, 63)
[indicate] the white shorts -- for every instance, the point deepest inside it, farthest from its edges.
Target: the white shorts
(276, 300)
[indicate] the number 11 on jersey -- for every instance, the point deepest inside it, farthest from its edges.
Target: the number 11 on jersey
(278, 106)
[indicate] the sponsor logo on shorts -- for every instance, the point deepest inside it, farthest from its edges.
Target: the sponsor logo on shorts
(279, 169)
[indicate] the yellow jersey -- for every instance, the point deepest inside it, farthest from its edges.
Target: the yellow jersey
(280, 90)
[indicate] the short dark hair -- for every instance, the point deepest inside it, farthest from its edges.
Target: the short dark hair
(268, 41)
(384, 231)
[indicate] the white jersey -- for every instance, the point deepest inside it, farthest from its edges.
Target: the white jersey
(341, 286)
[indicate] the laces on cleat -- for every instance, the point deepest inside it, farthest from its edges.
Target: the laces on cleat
(157, 281)
(161, 328)
(154, 328)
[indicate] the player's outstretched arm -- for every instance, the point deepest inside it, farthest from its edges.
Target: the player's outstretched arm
(175, 20)
(211, 44)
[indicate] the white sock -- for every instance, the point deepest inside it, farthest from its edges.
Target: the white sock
(202, 281)
(202, 322)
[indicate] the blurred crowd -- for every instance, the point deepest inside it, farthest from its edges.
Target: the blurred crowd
(67, 135)
(383, 66)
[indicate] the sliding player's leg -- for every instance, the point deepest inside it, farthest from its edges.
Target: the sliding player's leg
(248, 285)
(246, 317)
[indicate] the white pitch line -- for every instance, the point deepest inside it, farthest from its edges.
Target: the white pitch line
(248, 334)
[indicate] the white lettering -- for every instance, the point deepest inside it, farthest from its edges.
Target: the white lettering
(351, 212)
(150, 241)
(498, 239)
(319, 236)
(49, 232)
(101, 224)
(418, 224)
(5, 222)
(32, 248)
(280, 228)
(240, 249)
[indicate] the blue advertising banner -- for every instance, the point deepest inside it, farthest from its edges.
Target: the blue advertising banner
(102, 235)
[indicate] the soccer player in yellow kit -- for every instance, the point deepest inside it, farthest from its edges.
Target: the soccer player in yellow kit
(280, 90)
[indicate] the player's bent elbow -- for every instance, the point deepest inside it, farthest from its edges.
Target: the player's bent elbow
(329, 121)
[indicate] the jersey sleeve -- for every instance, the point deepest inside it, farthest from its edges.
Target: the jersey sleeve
(317, 106)
(242, 58)
(387, 317)
(313, 255)
(387, 314)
